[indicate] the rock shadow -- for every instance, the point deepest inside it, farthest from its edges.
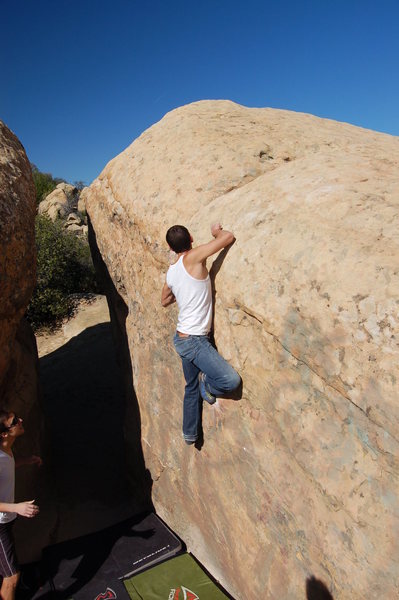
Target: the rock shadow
(317, 590)
(95, 476)
(139, 478)
(84, 409)
(71, 565)
(214, 270)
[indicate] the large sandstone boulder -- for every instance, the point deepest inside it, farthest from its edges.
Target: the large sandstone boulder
(18, 353)
(17, 242)
(300, 476)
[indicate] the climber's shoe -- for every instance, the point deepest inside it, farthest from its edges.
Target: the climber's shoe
(190, 441)
(205, 395)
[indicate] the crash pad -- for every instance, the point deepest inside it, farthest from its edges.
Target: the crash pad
(92, 566)
(179, 578)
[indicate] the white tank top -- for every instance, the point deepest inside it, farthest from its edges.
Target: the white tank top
(193, 297)
(7, 478)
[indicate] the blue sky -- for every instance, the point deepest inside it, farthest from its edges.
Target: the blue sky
(81, 80)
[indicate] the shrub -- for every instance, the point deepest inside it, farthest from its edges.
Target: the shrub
(44, 183)
(64, 267)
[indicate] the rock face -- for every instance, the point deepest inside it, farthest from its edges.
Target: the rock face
(17, 243)
(18, 353)
(300, 477)
(82, 201)
(62, 203)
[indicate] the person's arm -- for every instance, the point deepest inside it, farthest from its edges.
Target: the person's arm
(222, 239)
(167, 297)
(28, 460)
(25, 509)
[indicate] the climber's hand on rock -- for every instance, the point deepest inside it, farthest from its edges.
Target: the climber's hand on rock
(215, 229)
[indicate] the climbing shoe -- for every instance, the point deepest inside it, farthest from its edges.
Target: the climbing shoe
(205, 395)
(189, 442)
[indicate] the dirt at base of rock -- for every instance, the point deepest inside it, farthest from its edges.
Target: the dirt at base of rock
(90, 309)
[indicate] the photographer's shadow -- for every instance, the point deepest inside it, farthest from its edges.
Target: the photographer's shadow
(317, 590)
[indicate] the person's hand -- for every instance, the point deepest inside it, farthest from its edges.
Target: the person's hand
(28, 460)
(27, 509)
(216, 227)
(33, 460)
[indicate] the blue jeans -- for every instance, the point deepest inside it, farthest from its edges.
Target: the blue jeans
(198, 354)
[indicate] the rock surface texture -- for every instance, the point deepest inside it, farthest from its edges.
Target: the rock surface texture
(17, 243)
(65, 203)
(60, 202)
(18, 353)
(299, 478)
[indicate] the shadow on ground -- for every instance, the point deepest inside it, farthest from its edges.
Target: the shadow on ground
(84, 403)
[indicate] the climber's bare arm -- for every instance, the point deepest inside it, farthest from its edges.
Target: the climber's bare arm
(199, 254)
(28, 460)
(167, 297)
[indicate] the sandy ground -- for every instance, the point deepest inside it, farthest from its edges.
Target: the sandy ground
(88, 314)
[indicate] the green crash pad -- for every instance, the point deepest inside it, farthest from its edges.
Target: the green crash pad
(179, 578)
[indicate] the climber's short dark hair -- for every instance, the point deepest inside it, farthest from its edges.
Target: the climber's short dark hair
(4, 414)
(178, 238)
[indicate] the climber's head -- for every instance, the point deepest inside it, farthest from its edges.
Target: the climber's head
(179, 238)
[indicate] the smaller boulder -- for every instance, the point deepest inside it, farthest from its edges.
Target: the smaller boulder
(74, 218)
(73, 228)
(82, 201)
(60, 202)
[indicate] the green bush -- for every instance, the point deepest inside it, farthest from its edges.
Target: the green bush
(64, 267)
(44, 183)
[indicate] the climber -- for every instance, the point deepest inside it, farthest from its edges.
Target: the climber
(207, 374)
(11, 428)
